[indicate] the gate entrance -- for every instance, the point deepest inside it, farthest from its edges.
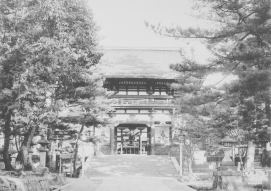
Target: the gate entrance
(133, 138)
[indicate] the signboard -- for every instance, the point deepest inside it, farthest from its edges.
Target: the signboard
(88, 150)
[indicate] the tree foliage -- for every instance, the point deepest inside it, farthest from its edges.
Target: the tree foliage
(48, 60)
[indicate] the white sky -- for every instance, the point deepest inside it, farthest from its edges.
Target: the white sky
(122, 21)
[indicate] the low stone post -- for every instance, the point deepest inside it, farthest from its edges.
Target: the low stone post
(42, 158)
(227, 178)
(43, 149)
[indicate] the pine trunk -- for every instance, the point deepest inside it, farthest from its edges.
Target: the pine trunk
(49, 155)
(23, 153)
(7, 133)
(76, 152)
(22, 156)
(250, 156)
(267, 110)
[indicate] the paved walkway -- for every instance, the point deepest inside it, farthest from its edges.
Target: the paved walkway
(129, 173)
(131, 165)
(127, 184)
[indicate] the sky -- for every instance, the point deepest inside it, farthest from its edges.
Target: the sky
(122, 22)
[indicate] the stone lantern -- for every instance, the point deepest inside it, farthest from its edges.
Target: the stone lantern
(73, 144)
(56, 131)
(230, 143)
(227, 142)
(227, 178)
(43, 149)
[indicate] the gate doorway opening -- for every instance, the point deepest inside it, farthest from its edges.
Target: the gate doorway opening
(133, 138)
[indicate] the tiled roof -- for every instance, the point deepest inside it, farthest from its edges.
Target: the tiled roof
(140, 62)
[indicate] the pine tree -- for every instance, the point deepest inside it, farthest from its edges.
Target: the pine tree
(238, 36)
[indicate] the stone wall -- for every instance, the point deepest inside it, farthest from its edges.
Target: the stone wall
(36, 184)
(37, 180)
(26, 184)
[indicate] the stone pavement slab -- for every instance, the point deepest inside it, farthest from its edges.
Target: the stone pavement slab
(130, 183)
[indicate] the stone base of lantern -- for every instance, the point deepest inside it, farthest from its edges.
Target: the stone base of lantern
(42, 158)
(228, 181)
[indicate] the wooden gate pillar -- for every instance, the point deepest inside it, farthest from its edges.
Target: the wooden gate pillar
(112, 140)
(152, 133)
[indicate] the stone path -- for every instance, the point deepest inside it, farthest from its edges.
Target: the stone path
(129, 173)
(131, 165)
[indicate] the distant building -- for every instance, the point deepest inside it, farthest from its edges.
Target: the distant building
(144, 106)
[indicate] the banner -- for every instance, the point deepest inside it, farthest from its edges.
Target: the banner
(162, 135)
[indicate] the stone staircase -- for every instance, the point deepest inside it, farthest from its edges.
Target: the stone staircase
(131, 165)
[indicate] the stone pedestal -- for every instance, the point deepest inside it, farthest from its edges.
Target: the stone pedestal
(228, 181)
(227, 178)
(42, 158)
(267, 184)
(42, 153)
